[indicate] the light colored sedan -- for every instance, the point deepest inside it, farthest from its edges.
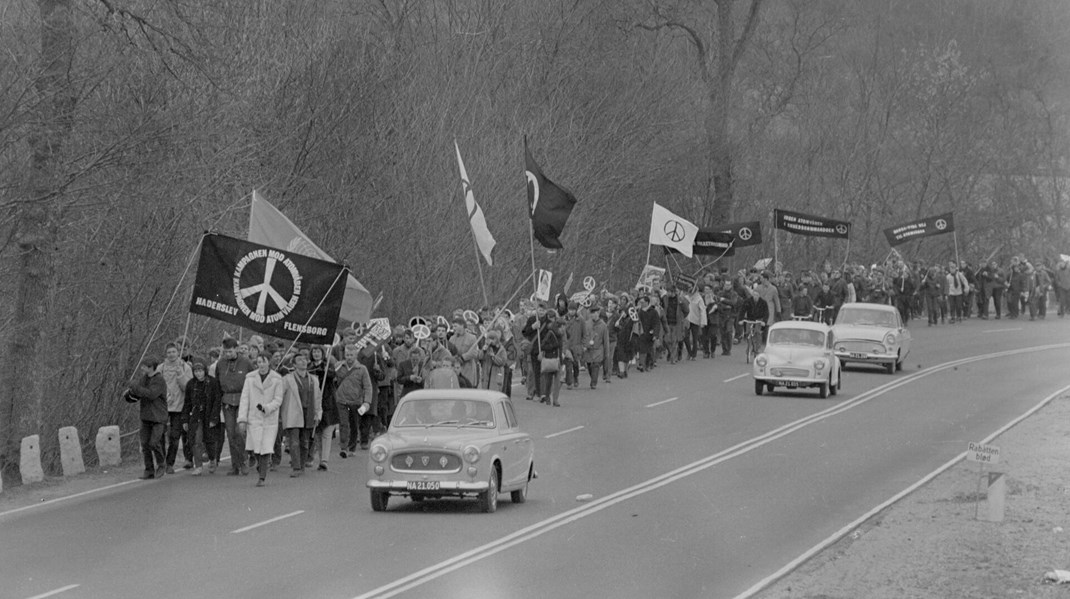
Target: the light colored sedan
(871, 334)
(452, 443)
(798, 355)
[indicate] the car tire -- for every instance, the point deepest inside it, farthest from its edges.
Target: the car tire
(758, 387)
(899, 365)
(488, 500)
(521, 495)
(833, 389)
(379, 500)
(823, 391)
(890, 367)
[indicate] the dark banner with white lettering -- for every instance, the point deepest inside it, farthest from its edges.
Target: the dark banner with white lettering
(814, 226)
(271, 291)
(934, 225)
(709, 243)
(747, 233)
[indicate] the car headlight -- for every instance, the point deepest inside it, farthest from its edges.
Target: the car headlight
(890, 339)
(761, 361)
(841, 348)
(471, 454)
(378, 453)
(819, 364)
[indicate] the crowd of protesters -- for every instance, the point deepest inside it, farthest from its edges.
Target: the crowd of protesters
(253, 395)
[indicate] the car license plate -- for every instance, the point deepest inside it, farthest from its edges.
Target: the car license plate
(791, 385)
(857, 355)
(423, 485)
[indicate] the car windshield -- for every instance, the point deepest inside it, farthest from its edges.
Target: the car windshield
(866, 317)
(445, 412)
(804, 337)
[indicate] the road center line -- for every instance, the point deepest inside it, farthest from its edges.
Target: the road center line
(573, 429)
(736, 378)
(567, 517)
(275, 519)
(56, 592)
(1001, 330)
(651, 405)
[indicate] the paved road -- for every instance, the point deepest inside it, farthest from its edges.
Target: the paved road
(701, 490)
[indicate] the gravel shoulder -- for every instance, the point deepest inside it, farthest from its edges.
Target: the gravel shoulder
(930, 545)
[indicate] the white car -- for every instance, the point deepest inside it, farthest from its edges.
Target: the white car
(871, 334)
(797, 355)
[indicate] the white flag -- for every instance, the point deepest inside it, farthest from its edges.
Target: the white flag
(484, 239)
(672, 231)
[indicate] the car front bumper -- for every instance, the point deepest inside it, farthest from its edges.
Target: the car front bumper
(879, 358)
(790, 381)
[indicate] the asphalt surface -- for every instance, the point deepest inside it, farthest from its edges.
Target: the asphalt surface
(700, 489)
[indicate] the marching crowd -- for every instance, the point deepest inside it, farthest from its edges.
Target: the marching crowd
(259, 397)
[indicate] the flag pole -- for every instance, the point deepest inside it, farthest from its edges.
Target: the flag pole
(955, 236)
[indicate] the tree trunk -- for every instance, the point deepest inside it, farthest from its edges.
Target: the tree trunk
(22, 377)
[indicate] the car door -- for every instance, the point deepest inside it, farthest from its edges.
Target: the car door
(904, 337)
(519, 449)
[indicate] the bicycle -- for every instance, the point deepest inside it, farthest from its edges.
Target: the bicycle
(753, 335)
(819, 314)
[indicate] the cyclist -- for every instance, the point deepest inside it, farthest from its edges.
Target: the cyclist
(754, 309)
(802, 306)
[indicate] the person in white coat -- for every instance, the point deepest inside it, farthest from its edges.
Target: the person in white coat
(258, 413)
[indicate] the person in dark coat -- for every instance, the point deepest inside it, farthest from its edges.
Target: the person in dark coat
(150, 390)
(646, 333)
(319, 365)
(204, 399)
(623, 325)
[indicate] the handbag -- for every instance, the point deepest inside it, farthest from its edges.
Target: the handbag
(548, 365)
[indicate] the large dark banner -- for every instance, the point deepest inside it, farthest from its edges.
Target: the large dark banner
(271, 291)
(814, 226)
(746, 233)
(710, 243)
(934, 225)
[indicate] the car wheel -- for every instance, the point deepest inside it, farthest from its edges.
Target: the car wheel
(379, 501)
(758, 387)
(899, 365)
(521, 495)
(823, 391)
(890, 367)
(833, 389)
(488, 500)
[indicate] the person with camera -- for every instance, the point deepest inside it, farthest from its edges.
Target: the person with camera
(493, 360)
(150, 390)
(258, 413)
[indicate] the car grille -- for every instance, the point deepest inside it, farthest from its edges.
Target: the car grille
(426, 461)
(862, 347)
(792, 372)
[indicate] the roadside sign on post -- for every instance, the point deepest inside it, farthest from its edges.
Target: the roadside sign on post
(986, 454)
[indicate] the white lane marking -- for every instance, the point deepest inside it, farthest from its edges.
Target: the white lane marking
(275, 519)
(571, 430)
(836, 536)
(539, 528)
(55, 592)
(736, 378)
(651, 405)
(58, 499)
(1001, 330)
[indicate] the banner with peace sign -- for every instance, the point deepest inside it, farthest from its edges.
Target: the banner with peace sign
(271, 291)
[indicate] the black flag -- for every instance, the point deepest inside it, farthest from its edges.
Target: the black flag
(709, 242)
(549, 205)
(934, 225)
(814, 226)
(274, 292)
(747, 233)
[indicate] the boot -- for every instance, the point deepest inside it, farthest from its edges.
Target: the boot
(262, 466)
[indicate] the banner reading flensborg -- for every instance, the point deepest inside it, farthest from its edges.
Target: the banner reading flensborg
(814, 226)
(934, 225)
(271, 291)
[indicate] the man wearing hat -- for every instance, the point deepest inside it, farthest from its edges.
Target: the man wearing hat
(595, 344)
(150, 389)
(203, 401)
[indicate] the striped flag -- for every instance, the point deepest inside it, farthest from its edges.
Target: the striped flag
(484, 239)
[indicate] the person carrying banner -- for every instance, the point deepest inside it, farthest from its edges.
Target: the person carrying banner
(258, 413)
(150, 390)
(323, 370)
(302, 409)
(203, 402)
(231, 371)
(176, 373)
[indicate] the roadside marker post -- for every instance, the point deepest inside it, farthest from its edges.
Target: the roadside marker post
(997, 482)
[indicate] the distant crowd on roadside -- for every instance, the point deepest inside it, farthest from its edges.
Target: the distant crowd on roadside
(266, 399)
